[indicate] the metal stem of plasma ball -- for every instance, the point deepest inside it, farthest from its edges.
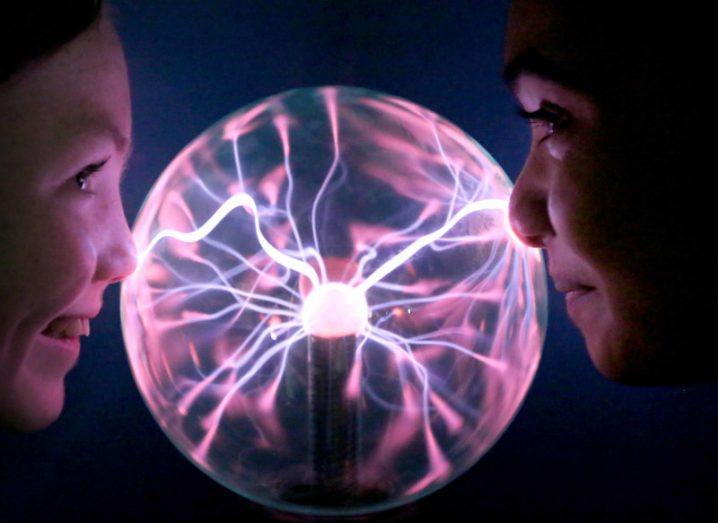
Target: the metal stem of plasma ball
(333, 419)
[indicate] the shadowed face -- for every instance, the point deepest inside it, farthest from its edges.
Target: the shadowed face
(599, 192)
(64, 139)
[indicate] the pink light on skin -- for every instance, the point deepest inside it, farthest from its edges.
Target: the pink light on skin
(324, 235)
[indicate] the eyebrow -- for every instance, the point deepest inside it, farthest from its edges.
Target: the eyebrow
(532, 62)
(123, 143)
(99, 124)
(129, 145)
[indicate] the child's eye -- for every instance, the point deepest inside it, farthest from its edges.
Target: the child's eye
(548, 116)
(82, 179)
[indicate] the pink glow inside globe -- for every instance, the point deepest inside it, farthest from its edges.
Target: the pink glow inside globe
(330, 315)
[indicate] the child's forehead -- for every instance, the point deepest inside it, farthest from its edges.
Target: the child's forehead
(80, 93)
(94, 124)
(38, 140)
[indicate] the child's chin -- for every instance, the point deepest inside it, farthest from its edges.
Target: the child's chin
(608, 355)
(34, 409)
(626, 356)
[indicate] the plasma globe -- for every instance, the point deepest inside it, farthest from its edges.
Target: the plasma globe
(329, 313)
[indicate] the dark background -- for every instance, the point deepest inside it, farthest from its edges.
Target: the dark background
(580, 449)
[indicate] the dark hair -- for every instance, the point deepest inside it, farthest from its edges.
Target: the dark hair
(32, 30)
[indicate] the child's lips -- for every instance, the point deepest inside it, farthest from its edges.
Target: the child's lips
(67, 327)
(58, 355)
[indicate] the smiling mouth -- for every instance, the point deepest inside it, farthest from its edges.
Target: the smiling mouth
(64, 328)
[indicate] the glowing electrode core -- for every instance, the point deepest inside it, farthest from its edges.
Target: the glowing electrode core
(333, 310)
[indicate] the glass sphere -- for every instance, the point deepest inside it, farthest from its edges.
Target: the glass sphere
(330, 314)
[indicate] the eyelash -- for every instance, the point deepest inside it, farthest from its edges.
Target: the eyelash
(85, 174)
(548, 115)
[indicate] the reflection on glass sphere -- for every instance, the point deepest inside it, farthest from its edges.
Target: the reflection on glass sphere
(330, 314)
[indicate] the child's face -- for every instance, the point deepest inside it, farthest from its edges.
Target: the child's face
(598, 193)
(63, 234)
